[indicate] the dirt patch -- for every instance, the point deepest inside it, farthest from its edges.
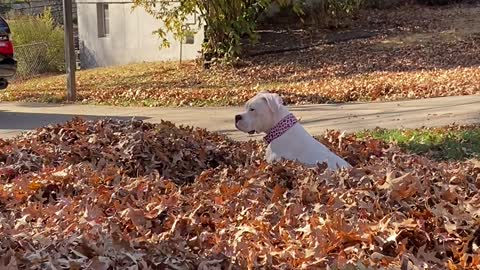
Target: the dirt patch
(456, 24)
(409, 25)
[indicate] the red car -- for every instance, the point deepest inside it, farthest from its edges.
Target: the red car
(8, 64)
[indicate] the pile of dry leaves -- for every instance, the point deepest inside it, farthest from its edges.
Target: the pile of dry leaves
(132, 195)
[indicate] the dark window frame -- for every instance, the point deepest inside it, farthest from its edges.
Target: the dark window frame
(103, 20)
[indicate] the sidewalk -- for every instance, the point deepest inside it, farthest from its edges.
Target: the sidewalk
(18, 117)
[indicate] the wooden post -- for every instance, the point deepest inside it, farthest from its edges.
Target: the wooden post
(70, 59)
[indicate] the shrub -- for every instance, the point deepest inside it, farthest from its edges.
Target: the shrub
(39, 39)
(325, 13)
(333, 13)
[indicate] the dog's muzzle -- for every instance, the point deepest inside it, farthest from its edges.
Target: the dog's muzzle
(238, 118)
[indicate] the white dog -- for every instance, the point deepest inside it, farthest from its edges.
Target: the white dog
(286, 138)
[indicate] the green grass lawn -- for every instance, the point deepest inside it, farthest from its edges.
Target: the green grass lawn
(450, 143)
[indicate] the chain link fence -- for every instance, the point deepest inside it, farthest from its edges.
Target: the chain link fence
(32, 60)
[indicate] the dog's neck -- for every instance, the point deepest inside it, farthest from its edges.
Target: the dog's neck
(282, 126)
(282, 113)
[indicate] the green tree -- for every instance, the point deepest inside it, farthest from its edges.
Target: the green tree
(228, 21)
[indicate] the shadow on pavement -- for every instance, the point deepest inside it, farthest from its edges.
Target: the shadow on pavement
(28, 121)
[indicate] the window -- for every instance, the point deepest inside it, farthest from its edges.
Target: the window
(103, 20)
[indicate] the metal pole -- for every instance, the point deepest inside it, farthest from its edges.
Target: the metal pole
(181, 50)
(69, 50)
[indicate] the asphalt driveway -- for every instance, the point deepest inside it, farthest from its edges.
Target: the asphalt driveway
(20, 117)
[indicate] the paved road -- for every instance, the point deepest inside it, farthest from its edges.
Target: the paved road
(16, 117)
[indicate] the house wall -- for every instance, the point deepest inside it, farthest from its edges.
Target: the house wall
(130, 40)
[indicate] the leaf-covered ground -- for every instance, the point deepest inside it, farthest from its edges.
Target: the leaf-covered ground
(411, 52)
(132, 195)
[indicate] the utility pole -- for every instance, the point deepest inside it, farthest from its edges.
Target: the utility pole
(69, 50)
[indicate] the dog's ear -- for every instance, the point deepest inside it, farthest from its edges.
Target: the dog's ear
(274, 101)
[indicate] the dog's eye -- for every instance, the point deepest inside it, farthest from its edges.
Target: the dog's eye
(252, 109)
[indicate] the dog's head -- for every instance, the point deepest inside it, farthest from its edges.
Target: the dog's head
(262, 112)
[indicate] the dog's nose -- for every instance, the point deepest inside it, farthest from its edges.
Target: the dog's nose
(238, 117)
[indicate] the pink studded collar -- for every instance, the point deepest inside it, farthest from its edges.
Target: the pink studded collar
(280, 128)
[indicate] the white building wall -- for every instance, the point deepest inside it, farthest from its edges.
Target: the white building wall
(130, 40)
